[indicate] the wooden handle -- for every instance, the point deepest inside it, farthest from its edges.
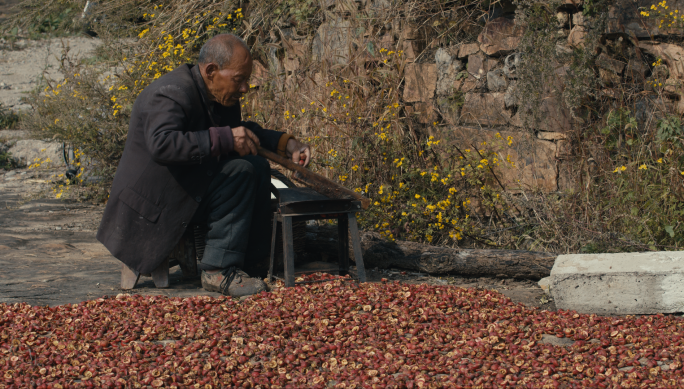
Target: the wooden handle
(317, 182)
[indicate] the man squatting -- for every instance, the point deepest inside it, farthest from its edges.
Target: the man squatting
(188, 159)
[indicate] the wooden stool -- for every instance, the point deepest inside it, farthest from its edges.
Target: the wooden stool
(301, 204)
(183, 254)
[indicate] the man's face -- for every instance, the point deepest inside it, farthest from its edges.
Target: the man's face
(227, 85)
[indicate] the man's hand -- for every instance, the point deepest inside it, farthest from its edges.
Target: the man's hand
(245, 141)
(298, 151)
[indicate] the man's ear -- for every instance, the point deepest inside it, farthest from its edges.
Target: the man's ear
(210, 70)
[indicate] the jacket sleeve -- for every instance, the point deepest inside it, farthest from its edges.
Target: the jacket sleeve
(269, 138)
(167, 129)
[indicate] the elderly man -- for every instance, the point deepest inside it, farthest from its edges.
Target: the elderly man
(189, 158)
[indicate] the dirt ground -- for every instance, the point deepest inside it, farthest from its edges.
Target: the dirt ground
(48, 251)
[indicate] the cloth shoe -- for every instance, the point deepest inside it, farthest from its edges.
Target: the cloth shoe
(232, 282)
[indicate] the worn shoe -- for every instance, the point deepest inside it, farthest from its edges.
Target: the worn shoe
(232, 282)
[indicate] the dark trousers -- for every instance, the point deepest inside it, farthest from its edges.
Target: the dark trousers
(237, 211)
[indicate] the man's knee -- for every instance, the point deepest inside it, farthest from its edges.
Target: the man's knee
(259, 164)
(250, 164)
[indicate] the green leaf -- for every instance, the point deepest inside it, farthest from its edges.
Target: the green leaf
(670, 230)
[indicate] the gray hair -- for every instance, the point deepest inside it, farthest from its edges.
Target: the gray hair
(219, 49)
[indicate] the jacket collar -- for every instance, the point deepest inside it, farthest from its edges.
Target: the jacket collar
(202, 87)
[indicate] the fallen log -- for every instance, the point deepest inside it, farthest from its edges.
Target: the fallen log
(377, 252)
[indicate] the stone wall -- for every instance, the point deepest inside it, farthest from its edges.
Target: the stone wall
(470, 87)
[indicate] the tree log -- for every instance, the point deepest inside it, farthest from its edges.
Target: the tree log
(377, 252)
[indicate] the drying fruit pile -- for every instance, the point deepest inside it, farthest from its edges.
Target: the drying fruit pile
(333, 334)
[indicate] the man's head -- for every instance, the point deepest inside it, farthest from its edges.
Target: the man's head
(226, 65)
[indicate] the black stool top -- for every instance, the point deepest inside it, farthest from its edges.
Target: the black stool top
(306, 201)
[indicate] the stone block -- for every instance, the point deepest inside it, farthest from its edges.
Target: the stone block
(553, 115)
(478, 65)
(412, 49)
(28, 151)
(422, 112)
(578, 19)
(497, 81)
(468, 84)
(450, 108)
(500, 36)
(624, 18)
(485, 109)
(563, 49)
(534, 159)
(420, 82)
(511, 97)
(605, 62)
(259, 74)
(332, 41)
(636, 70)
(545, 135)
(468, 49)
(569, 179)
(448, 68)
(619, 284)
(511, 64)
(673, 56)
(609, 77)
(577, 36)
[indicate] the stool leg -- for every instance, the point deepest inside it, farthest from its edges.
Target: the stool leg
(356, 245)
(343, 244)
(190, 256)
(129, 277)
(186, 257)
(273, 243)
(288, 251)
(160, 275)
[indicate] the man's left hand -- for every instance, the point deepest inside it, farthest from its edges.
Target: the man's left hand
(299, 152)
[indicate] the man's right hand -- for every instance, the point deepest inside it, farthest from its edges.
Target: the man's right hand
(244, 141)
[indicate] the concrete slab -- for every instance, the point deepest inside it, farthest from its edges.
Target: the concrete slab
(619, 284)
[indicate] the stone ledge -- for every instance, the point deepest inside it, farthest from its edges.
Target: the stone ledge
(619, 284)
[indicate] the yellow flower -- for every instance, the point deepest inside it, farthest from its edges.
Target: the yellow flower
(355, 167)
(417, 196)
(643, 167)
(660, 160)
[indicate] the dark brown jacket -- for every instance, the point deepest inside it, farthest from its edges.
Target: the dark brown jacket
(165, 168)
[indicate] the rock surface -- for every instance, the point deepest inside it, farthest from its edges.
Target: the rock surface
(672, 55)
(497, 81)
(619, 284)
(333, 41)
(447, 70)
(421, 81)
(26, 152)
(485, 109)
(500, 36)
